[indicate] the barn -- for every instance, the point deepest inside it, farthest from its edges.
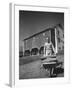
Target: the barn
(34, 45)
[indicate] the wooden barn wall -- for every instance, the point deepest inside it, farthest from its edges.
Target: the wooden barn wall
(37, 41)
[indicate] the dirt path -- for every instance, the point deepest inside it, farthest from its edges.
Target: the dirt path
(32, 68)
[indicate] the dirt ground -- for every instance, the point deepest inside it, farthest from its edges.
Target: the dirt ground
(30, 67)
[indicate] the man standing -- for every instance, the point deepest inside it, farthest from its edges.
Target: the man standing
(48, 48)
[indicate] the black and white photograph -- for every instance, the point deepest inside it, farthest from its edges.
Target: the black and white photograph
(41, 44)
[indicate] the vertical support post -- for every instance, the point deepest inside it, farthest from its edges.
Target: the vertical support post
(50, 35)
(56, 47)
(44, 51)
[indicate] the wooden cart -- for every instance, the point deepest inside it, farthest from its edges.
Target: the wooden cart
(50, 63)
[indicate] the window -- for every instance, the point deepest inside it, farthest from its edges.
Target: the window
(59, 40)
(43, 34)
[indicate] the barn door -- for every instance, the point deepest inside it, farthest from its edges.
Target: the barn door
(53, 37)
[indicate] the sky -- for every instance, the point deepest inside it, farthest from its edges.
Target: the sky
(31, 22)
